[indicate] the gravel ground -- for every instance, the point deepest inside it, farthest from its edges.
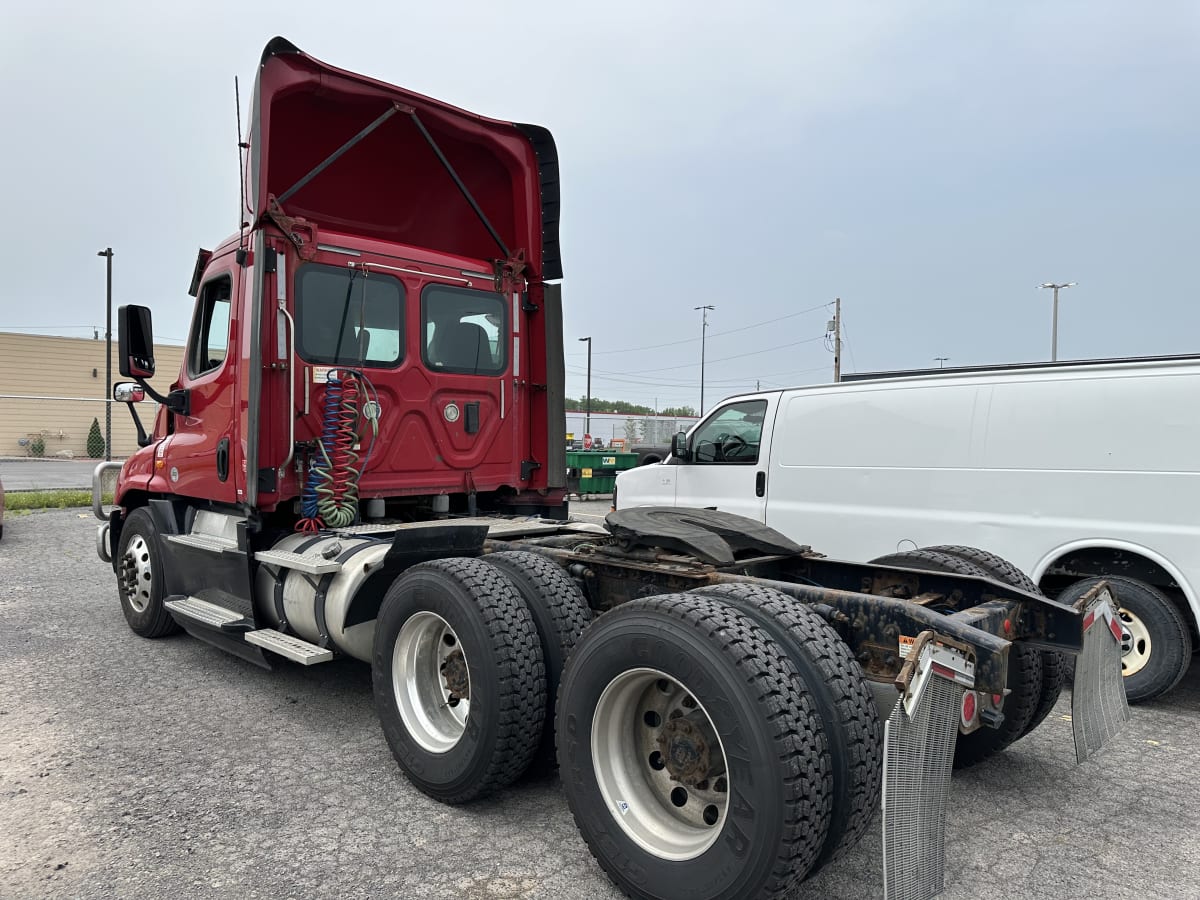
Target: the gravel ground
(135, 768)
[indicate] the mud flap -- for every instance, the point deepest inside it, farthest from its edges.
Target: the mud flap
(1098, 706)
(918, 742)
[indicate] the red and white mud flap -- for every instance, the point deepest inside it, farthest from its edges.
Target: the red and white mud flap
(918, 740)
(1098, 706)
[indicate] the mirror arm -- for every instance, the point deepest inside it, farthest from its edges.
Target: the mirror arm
(143, 439)
(177, 401)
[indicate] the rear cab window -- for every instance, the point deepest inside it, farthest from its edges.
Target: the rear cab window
(346, 317)
(464, 331)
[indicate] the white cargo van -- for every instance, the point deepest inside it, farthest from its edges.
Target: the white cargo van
(1069, 470)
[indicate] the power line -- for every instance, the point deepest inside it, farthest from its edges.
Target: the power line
(727, 358)
(717, 333)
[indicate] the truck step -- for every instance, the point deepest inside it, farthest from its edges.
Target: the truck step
(293, 648)
(311, 563)
(210, 542)
(202, 611)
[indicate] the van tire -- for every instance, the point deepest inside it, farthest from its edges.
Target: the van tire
(456, 762)
(139, 560)
(844, 702)
(1169, 637)
(1054, 664)
(776, 814)
(1025, 675)
(560, 613)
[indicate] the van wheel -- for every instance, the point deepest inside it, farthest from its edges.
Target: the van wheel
(692, 756)
(1024, 682)
(560, 613)
(140, 577)
(1158, 645)
(1054, 664)
(459, 682)
(844, 703)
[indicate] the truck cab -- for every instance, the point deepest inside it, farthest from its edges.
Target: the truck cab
(397, 268)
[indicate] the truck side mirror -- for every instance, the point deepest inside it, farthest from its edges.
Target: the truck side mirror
(128, 392)
(679, 447)
(135, 342)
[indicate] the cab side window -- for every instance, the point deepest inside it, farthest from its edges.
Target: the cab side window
(731, 435)
(210, 330)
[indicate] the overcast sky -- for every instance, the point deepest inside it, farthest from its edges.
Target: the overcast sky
(929, 163)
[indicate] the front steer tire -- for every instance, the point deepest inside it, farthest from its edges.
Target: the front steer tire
(767, 815)
(437, 620)
(140, 577)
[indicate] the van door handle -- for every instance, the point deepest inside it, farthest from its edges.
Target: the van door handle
(760, 484)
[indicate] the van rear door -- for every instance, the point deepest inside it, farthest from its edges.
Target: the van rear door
(728, 456)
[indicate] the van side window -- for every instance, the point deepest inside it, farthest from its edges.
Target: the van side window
(731, 435)
(210, 330)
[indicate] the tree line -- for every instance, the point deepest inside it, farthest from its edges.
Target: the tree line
(632, 409)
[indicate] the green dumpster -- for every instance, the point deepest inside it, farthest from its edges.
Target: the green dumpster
(595, 471)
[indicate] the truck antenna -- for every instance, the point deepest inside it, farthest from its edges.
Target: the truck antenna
(242, 147)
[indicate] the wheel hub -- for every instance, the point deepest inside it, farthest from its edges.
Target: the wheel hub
(454, 672)
(136, 574)
(685, 751)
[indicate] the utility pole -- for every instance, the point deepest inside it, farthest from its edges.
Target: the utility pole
(108, 385)
(587, 422)
(1054, 325)
(941, 361)
(835, 328)
(703, 335)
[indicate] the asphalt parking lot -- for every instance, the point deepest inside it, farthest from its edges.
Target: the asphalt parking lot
(135, 768)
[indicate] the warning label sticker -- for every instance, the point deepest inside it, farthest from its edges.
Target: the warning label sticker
(320, 374)
(906, 645)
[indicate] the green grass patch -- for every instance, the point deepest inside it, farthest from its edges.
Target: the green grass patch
(65, 499)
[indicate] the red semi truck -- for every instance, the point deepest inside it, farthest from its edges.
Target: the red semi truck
(362, 456)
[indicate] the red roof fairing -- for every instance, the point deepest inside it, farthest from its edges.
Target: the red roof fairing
(391, 184)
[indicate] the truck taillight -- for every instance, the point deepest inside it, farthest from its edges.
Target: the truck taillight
(970, 708)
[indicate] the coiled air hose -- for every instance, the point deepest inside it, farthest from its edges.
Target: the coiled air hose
(330, 495)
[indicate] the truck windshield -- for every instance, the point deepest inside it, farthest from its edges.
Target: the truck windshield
(346, 317)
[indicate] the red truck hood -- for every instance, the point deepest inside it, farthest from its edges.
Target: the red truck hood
(398, 181)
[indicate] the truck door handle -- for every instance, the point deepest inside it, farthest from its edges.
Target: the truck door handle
(760, 484)
(223, 459)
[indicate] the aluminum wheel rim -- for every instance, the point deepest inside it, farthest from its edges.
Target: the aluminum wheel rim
(1134, 659)
(137, 574)
(434, 715)
(638, 789)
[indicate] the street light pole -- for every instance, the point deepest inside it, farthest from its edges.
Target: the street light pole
(587, 422)
(1054, 325)
(108, 252)
(703, 335)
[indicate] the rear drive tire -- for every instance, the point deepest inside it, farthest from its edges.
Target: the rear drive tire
(1024, 685)
(692, 757)
(1025, 677)
(140, 577)
(1160, 649)
(459, 682)
(1054, 664)
(844, 702)
(560, 613)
